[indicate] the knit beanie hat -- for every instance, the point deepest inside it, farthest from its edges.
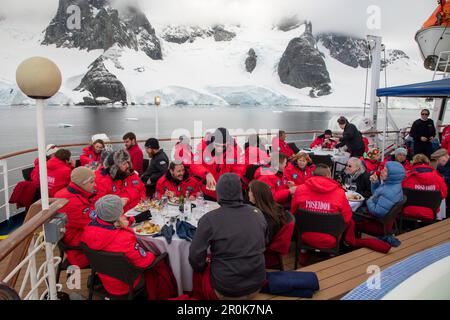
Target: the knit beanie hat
(82, 175)
(109, 208)
(400, 151)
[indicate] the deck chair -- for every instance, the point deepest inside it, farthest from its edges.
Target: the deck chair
(379, 226)
(421, 198)
(309, 221)
(116, 265)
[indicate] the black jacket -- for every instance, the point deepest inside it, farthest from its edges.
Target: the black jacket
(158, 166)
(236, 236)
(422, 128)
(363, 185)
(352, 138)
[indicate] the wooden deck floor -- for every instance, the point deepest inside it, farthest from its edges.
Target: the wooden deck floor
(337, 276)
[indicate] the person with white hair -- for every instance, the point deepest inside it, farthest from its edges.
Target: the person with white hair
(356, 174)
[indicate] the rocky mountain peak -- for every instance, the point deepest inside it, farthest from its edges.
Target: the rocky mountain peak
(100, 26)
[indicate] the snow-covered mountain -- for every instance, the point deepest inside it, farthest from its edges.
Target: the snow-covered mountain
(120, 57)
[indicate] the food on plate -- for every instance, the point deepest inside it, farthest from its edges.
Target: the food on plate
(143, 206)
(147, 228)
(354, 197)
(174, 200)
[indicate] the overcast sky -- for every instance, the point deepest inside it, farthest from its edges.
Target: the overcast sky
(399, 19)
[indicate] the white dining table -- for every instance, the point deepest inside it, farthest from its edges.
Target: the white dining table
(178, 249)
(337, 156)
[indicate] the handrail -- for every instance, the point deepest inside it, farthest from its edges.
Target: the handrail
(18, 153)
(29, 227)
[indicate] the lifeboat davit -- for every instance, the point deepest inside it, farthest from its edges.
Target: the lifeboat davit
(434, 38)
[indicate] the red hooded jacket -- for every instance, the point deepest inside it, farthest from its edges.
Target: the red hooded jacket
(321, 194)
(423, 177)
(205, 163)
(101, 235)
(167, 183)
(58, 175)
(320, 141)
(297, 175)
(35, 173)
(281, 146)
(137, 158)
(131, 187)
(89, 156)
(80, 211)
(276, 181)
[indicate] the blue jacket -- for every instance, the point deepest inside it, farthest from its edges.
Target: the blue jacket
(385, 195)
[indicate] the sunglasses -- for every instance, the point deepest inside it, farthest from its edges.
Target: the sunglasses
(424, 114)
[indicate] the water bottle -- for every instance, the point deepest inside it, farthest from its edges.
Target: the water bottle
(200, 202)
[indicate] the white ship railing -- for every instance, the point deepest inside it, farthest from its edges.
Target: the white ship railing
(442, 61)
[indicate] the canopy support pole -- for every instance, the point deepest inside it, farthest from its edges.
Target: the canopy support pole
(439, 112)
(375, 48)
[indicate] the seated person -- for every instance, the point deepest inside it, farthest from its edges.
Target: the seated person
(356, 174)
(324, 141)
(371, 161)
(236, 236)
(276, 217)
(441, 159)
(320, 193)
(49, 153)
(280, 145)
(423, 177)
(386, 190)
(59, 169)
(118, 177)
(400, 155)
(92, 154)
(445, 144)
(273, 176)
(79, 211)
(299, 169)
(109, 232)
(158, 166)
(183, 151)
(177, 181)
(254, 151)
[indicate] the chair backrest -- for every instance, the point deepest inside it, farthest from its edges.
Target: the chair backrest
(113, 264)
(26, 173)
(282, 240)
(421, 198)
(322, 159)
(395, 211)
(329, 223)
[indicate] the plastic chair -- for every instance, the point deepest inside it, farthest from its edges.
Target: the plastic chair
(116, 265)
(421, 198)
(64, 264)
(327, 223)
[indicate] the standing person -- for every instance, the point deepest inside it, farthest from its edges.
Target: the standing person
(236, 237)
(136, 155)
(423, 131)
(92, 154)
(79, 210)
(443, 167)
(280, 145)
(59, 169)
(159, 164)
(351, 138)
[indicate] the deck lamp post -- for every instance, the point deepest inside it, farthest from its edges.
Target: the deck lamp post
(39, 78)
(157, 103)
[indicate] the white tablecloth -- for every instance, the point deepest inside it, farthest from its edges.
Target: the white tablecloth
(178, 249)
(441, 214)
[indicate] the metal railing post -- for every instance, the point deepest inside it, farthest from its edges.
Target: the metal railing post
(4, 164)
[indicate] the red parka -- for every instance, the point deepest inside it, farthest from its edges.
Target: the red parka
(58, 175)
(281, 146)
(137, 158)
(297, 175)
(168, 183)
(321, 194)
(423, 177)
(89, 156)
(276, 181)
(80, 211)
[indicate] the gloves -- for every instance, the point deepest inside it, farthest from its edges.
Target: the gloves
(167, 232)
(144, 216)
